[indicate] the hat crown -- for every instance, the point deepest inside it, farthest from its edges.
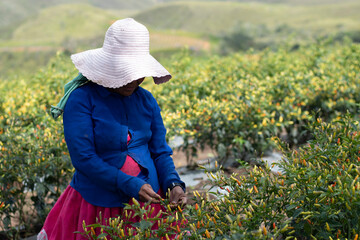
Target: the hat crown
(127, 37)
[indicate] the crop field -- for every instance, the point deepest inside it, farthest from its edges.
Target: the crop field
(240, 106)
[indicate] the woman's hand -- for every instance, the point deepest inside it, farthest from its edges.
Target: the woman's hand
(146, 194)
(177, 197)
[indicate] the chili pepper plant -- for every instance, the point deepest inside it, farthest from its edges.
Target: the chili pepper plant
(315, 196)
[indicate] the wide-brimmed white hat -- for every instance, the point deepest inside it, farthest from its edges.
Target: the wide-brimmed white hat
(123, 58)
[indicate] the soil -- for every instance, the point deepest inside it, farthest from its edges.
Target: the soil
(180, 160)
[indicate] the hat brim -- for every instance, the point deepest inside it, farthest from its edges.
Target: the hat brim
(114, 71)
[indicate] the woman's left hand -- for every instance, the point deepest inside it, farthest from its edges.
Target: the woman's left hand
(177, 197)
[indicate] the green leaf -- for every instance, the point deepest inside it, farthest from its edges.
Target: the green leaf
(144, 224)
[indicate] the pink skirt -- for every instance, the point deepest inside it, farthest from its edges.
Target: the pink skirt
(70, 210)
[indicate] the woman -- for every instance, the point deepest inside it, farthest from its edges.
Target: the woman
(114, 133)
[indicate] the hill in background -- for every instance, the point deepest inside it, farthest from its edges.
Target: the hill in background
(14, 12)
(52, 26)
(43, 26)
(77, 27)
(211, 18)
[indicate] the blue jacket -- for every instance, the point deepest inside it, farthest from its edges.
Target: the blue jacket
(96, 124)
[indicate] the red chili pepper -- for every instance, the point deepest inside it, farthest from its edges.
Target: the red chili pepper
(238, 182)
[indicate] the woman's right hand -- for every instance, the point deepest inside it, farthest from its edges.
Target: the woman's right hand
(146, 194)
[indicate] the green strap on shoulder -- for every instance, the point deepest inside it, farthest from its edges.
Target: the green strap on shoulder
(57, 110)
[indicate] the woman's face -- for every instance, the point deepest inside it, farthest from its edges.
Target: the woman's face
(128, 89)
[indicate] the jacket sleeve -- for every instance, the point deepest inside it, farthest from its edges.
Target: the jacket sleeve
(79, 136)
(161, 152)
